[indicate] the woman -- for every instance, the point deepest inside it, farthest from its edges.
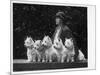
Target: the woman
(63, 31)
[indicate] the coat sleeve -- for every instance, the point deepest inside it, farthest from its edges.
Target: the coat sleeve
(66, 33)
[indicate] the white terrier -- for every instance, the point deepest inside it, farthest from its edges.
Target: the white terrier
(29, 45)
(37, 45)
(58, 45)
(71, 51)
(50, 51)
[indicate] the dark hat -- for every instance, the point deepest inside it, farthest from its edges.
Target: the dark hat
(62, 15)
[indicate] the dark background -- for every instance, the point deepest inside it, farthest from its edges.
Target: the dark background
(39, 20)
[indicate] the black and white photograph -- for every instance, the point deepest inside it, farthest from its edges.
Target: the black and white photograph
(49, 37)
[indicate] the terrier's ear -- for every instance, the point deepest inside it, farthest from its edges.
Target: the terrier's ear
(66, 39)
(71, 39)
(48, 38)
(40, 41)
(34, 40)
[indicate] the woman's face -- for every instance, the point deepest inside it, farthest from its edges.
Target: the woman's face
(58, 21)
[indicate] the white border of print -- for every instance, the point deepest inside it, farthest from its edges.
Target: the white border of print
(91, 15)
